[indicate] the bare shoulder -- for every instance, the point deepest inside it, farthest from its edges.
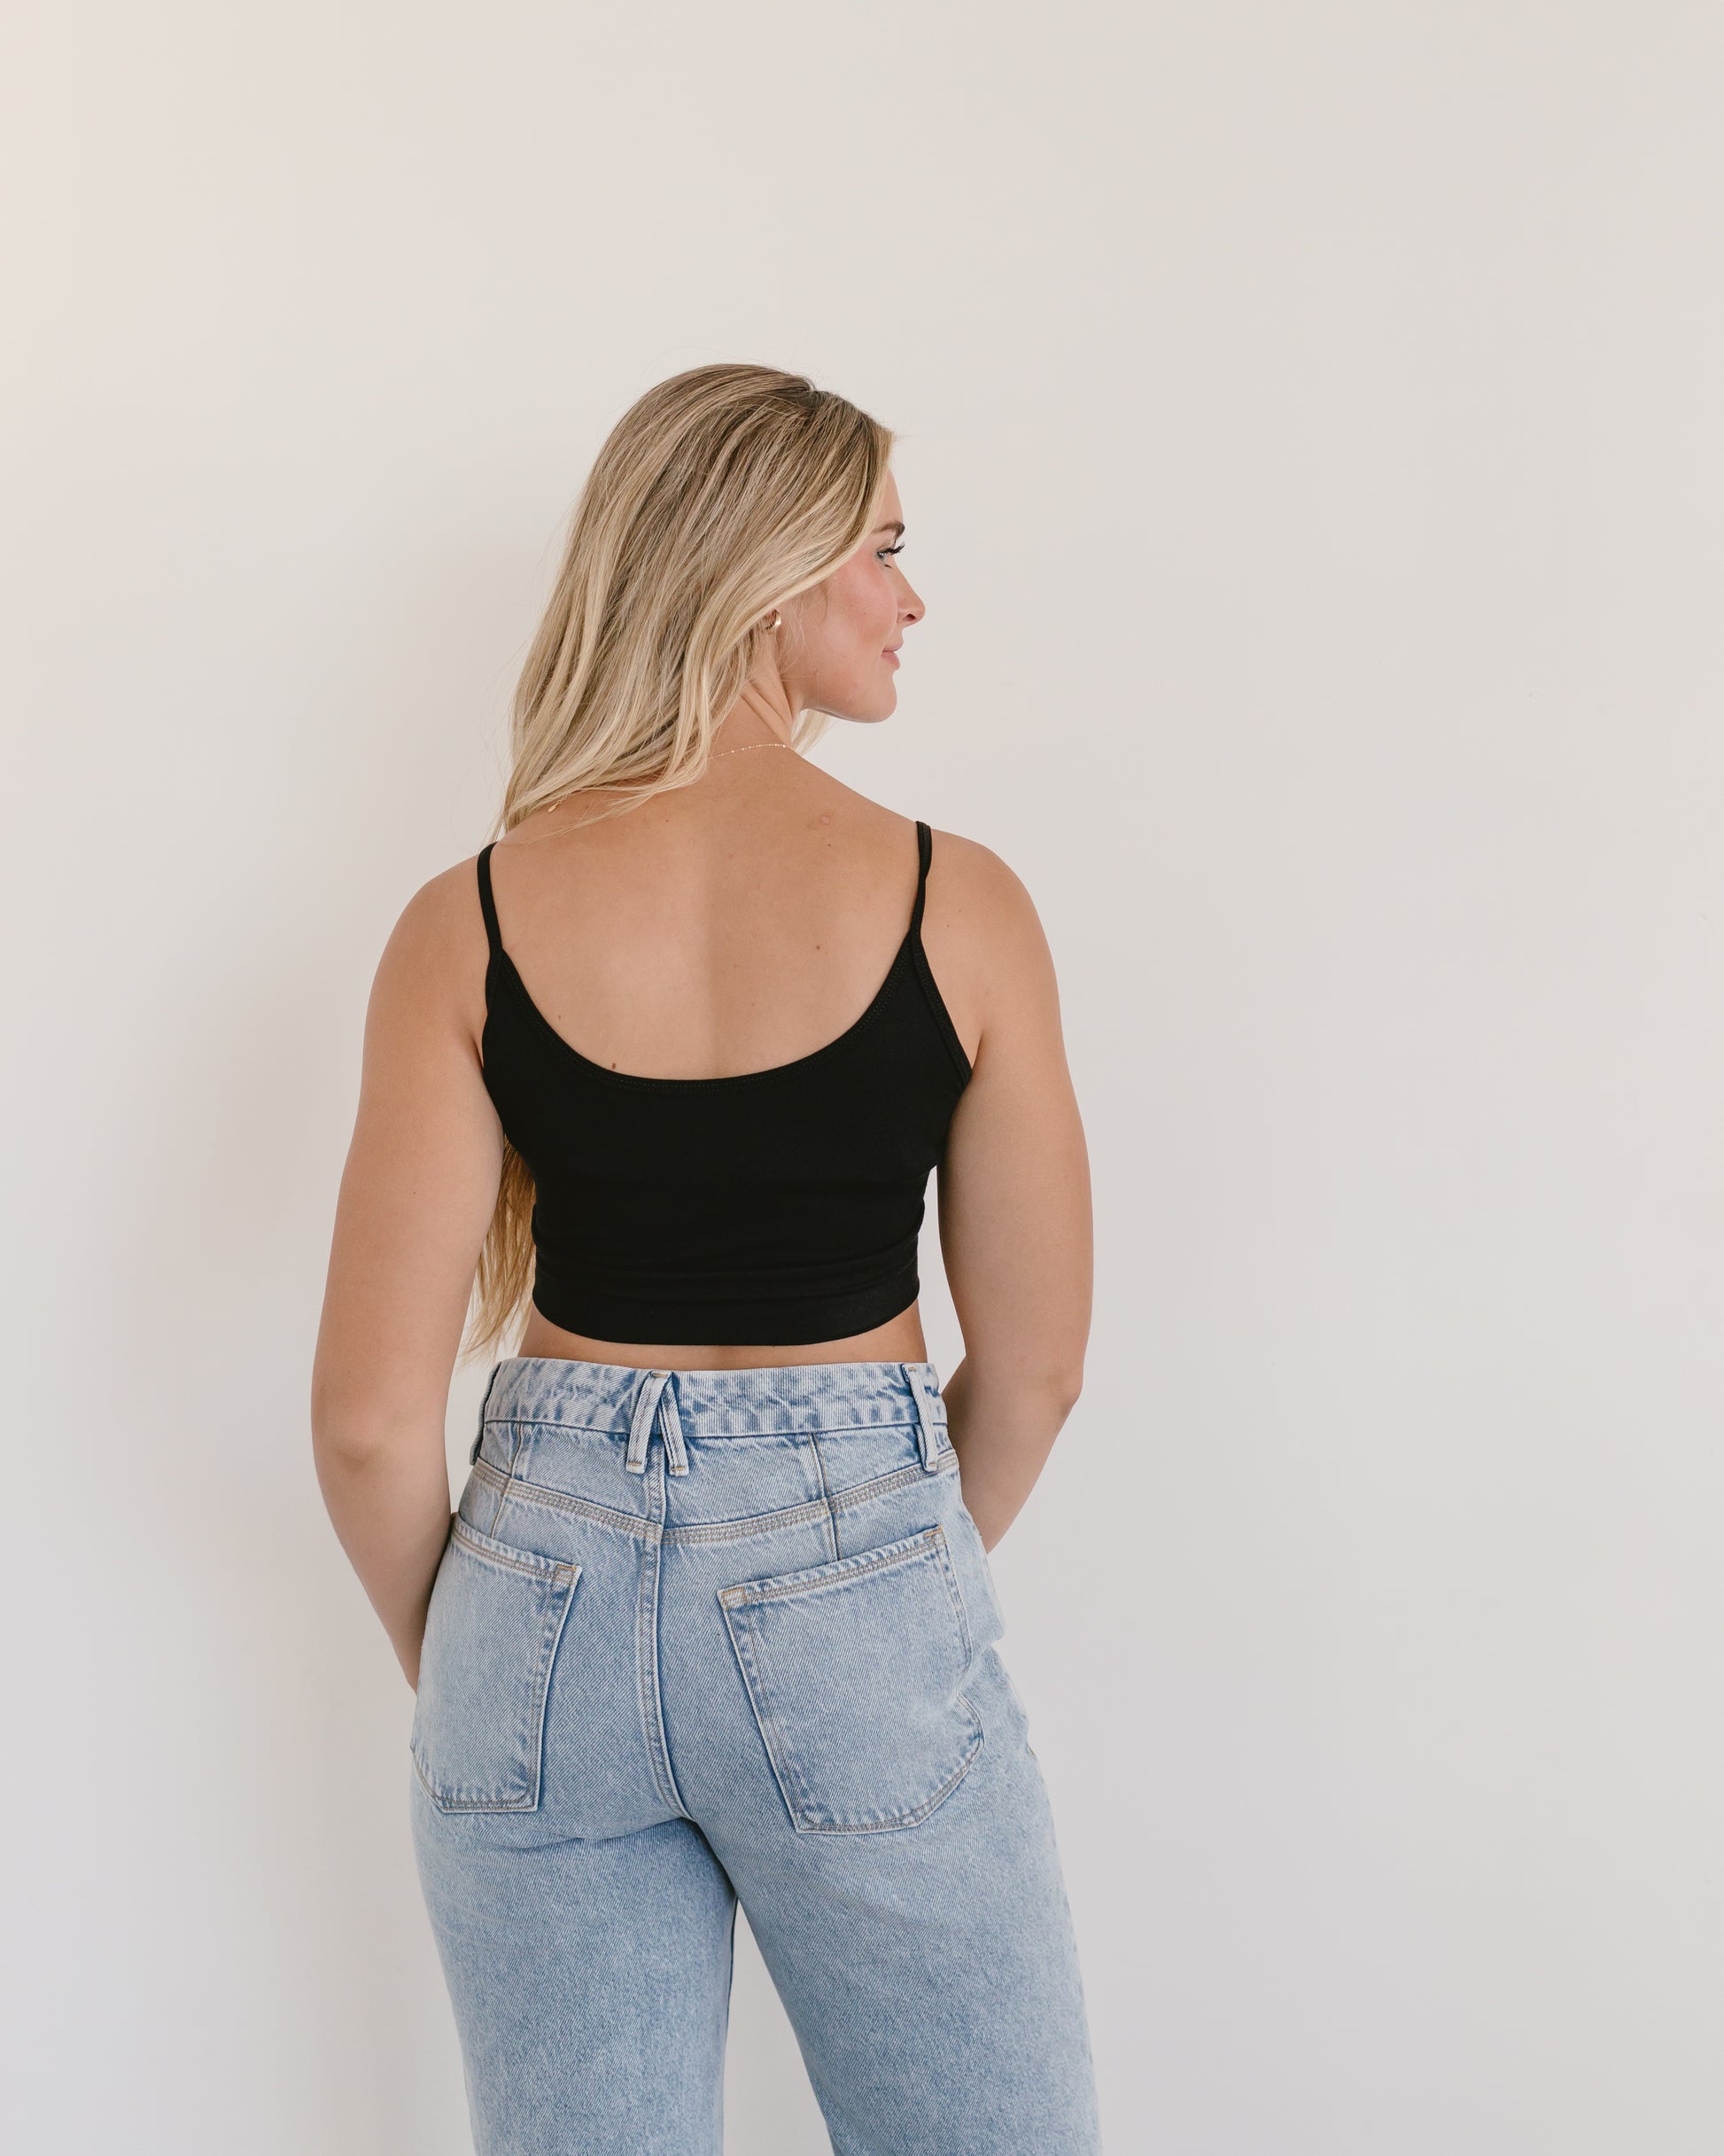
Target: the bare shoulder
(984, 938)
(977, 876)
(977, 899)
(431, 973)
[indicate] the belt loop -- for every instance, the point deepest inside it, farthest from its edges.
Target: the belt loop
(925, 1437)
(646, 1399)
(670, 1423)
(490, 1387)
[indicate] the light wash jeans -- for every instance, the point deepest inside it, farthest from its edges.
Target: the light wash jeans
(704, 1635)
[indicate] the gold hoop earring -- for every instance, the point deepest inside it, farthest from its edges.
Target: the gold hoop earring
(777, 621)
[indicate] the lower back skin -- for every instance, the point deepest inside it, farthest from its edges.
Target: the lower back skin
(900, 1340)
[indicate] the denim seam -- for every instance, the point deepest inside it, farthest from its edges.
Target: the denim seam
(503, 1490)
(534, 1566)
(716, 1530)
(788, 1435)
(772, 1731)
(826, 1491)
(535, 1493)
(796, 1515)
(781, 1758)
(559, 1580)
(647, 1652)
(914, 1818)
(959, 1610)
(779, 1755)
(770, 1522)
(931, 1543)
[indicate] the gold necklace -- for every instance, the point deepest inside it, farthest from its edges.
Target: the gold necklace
(747, 745)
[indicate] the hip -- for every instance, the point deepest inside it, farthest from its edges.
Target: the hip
(659, 1581)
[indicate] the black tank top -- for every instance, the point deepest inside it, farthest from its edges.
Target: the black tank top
(770, 1208)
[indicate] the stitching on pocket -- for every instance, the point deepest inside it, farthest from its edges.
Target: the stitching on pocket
(835, 1572)
(487, 1689)
(773, 1680)
(494, 1553)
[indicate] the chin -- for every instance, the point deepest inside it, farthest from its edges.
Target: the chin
(871, 715)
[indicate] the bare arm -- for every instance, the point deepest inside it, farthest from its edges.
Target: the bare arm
(1014, 1212)
(415, 1200)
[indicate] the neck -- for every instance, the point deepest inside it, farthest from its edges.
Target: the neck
(765, 703)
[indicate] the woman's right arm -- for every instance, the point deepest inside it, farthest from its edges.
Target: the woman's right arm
(415, 1200)
(1014, 1206)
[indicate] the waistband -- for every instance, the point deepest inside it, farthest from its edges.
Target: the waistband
(757, 1401)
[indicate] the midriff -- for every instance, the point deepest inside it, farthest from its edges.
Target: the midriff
(899, 1340)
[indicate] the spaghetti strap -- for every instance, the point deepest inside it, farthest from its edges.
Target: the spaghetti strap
(487, 904)
(924, 855)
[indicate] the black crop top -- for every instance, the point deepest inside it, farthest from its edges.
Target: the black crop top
(770, 1208)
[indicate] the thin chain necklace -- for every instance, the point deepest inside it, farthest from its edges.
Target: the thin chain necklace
(713, 758)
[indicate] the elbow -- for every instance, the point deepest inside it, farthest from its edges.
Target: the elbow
(1030, 1384)
(1066, 1386)
(1055, 1388)
(341, 1444)
(350, 1433)
(1054, 1367)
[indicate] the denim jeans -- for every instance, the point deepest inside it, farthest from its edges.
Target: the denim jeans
(699, 1635)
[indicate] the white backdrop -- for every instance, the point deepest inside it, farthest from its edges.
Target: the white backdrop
(1311, 447)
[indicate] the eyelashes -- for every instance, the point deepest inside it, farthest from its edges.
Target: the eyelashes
(890, 550)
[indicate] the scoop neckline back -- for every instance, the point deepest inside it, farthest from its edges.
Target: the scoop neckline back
(501, 962)
(499, 957)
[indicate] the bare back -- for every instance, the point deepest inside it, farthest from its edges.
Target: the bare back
(723, 928)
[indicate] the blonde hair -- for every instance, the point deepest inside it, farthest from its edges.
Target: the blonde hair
(719, 494)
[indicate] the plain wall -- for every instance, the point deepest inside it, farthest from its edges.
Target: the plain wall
(1311, 448)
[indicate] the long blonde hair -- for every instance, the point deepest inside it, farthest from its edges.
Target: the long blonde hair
(719, 494)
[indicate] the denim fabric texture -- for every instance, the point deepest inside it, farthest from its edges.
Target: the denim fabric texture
(699, 1635)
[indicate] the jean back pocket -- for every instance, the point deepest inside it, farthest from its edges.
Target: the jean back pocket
(495, 1617)
(854, 1669)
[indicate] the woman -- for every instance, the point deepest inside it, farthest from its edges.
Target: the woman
(713, 1617)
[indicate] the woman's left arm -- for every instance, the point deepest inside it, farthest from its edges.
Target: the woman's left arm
(416, 1198)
